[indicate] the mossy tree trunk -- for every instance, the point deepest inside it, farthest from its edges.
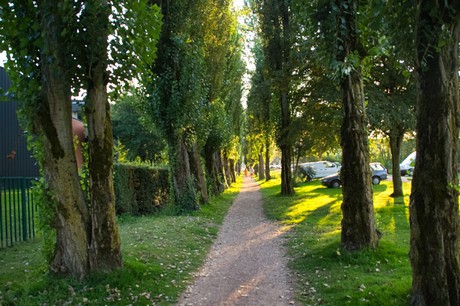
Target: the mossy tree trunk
(276, 33)
(198, 173)
(358, 224)
(52, 119)
(211, 169)
(434, 211)
(184, 188)
(105, 246)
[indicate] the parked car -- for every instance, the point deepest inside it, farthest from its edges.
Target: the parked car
(407, 166)
(379, 172)
(275, 166)
(318, 169)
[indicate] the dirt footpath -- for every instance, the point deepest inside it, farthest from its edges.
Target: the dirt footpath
(247, 263)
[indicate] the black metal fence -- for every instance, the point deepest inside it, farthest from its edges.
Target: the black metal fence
(17, 210)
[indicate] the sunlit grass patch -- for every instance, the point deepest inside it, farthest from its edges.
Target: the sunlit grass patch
(329, 275)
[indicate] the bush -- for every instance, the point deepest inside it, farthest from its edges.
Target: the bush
(140, 189)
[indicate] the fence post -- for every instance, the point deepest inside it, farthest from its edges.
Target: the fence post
(24, 208)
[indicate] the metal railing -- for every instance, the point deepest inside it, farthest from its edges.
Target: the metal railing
(17, 210)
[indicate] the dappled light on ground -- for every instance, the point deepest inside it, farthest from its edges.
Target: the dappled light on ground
(330, 275)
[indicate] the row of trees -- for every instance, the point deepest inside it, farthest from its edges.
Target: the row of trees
(185, 57)
(328, 68)
(195, 96)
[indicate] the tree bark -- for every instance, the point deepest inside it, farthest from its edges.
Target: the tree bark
(184, 192)
(434, 212)
(232, 170)
(198, 173)
(209, 165)
(261, 165)
(224, 168)
(358, 224)
(395, 147)
(105, 246)
(219, 169)
(276, 29)
(286, 173)
(267, 160)
(53, 120)
(287, 185)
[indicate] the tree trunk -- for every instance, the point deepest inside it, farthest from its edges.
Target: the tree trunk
(232, 170)
(105, 246)
(225, 169)
(219, 170)
(261, 165)
(267, 160)
(395, 147)
(358, 224)
(184, 191)
(212, 168)
(287, 185)
(275, 18)
(53, 120)
(434, 212)
(105, 241)
(198, 173)
(286, 173)
(296, 165)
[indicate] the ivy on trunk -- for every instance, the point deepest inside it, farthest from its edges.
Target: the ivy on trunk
(358, 223)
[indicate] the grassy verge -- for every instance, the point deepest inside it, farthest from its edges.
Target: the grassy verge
(160, 255)
(329, 275)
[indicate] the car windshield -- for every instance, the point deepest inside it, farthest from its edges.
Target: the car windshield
(375, 167)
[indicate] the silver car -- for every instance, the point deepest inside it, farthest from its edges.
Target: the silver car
(379, 172)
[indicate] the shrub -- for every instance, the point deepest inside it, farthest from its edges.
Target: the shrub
(140, 189)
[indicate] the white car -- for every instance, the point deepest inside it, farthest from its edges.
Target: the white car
(320, 169)
(407, 166)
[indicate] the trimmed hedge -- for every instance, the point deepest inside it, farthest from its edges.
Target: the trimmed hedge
(140, 189)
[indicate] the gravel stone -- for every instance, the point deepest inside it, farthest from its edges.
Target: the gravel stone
(247, 264)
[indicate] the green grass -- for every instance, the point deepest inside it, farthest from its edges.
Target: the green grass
(160, 254)
(329, 275)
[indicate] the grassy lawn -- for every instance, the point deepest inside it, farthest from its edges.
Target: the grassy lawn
(329, 275)
(160, 254)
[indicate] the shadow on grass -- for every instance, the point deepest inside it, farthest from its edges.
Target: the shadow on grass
(329, 275)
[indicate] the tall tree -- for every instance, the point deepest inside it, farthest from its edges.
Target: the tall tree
(224, 70)
(53, 120)
(178, 92)
(434, 211)
(330, 29)
(391, 106)
(105, 246)
(275, 24)
(55, 50)
(196, 91)
(358, 223)
(390, 83)
(259, 104)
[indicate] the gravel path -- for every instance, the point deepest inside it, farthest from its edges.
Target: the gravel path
(247, 264)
